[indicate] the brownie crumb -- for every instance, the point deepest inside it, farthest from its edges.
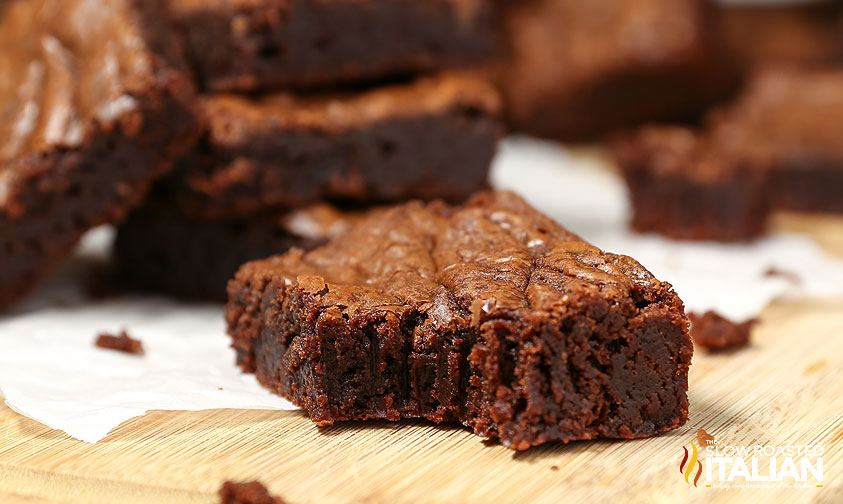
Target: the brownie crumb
(790, 276)
(713, 331)
(253, 492)
(121, 342)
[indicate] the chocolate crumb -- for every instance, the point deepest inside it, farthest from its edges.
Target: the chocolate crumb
(253, 492)
(791, 277)
(713, 331)
(122, 342)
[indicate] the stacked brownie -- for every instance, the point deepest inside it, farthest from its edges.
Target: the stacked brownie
(88, 118)
(306, 102)
(577, 70)
(778, 147)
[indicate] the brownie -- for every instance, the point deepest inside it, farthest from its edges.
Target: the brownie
(713, 331)
(577, 70)
(431, 138)
(248, 45)
(778, 147)
(121, 342)
(89, 117)
(488, 313)
(159, 249)
(800, 35)
(683, 186)
(253, 492)
(791, 122)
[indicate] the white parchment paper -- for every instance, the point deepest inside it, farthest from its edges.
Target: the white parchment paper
(51, 371)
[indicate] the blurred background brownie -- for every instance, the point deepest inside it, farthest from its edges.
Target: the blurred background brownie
(431, 138)
(161, 250)
(778, 147)
(577, 70)
(247, 45)
(88, 118)
(803, 34)
(683, 185)
(792, 121)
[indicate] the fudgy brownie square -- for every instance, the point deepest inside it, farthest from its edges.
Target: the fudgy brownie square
(430, 138)
(93, 106)
(248, 45)
(159, 249)
(778, 147)
(489, 313)
(577, 69)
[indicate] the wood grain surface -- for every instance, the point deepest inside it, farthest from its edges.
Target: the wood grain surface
(783, 389)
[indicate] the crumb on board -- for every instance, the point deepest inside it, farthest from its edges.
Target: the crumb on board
(554, 468)
(253, 492)
(121, 342)
(790, 276)
(713, 331)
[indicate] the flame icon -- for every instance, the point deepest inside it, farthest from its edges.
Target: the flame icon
(686, 467)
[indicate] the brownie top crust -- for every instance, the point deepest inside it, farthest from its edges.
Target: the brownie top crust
(70, 66)
(493, 257)
(231, 117)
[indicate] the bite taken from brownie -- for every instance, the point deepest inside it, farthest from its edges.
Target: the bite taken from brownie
(488, 313)
(93, 107)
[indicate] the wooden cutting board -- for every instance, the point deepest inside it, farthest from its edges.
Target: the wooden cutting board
(785, 389)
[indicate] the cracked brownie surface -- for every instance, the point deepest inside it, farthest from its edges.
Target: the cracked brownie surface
(93, 106)
(489, 313)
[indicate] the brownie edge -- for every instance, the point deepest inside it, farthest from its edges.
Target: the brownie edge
(489, 313)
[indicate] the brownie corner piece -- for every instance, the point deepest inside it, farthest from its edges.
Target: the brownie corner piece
(89, 119)
(488, 313)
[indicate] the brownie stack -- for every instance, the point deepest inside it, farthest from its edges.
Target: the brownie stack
(88, 119)
(308, 105)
